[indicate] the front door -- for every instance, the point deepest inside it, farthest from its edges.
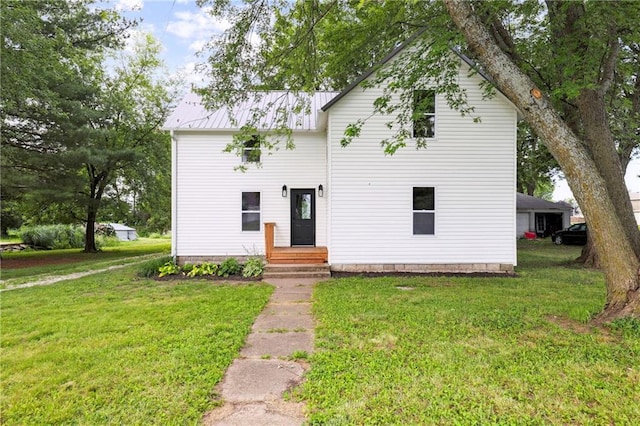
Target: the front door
(303, 217)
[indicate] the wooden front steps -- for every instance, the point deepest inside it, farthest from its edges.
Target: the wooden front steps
(297, 270)
(301, 255)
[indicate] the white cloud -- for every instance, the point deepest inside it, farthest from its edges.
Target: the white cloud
(198, 25)
(197, 45)
(136, 35)
(189, 74)
(129, 5)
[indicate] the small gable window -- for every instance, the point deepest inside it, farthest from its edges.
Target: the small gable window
(251, 150)
(424, 210)
(251, 211)
(424, 113)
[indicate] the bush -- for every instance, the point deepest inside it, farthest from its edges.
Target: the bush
(53, 236)
(150, 268)
(205, 268)
(253, 267)
(230, 266)
(107, 241)
(169, 268)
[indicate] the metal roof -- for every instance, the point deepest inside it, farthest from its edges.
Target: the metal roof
(120, 227)
(527, 202)
(260, 109)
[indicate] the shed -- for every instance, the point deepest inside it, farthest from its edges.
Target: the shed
(123, 232)
(541, 216)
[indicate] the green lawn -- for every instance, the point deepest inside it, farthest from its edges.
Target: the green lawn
(473, 350)
(115, 349)
(42, 263)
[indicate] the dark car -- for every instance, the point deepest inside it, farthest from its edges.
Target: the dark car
(575, 234)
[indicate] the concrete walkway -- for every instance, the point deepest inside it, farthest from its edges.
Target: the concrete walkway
(254, 385)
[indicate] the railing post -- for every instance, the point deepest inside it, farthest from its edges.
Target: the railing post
(269, 228)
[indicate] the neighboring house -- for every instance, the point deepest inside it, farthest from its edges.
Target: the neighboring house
(123, 232)
(541, 216)
(450, 207)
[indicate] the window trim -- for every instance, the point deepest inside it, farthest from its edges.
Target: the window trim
(249, 146)
(433, 211)
(424, 114)
(243, 211)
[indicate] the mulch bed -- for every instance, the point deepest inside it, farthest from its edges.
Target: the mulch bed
(182, 277)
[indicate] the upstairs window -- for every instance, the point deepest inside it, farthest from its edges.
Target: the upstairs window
(251, 211)
(251, 151)
(424, 210)
(424, 113)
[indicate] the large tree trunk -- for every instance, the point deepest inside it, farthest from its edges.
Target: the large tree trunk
(591, 104)
(616, 251)
(90, 231)
(589, 256)
(98, 182)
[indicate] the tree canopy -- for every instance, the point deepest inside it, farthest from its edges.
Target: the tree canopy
(75, 124)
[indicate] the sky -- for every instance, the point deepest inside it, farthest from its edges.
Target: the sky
(183, 29)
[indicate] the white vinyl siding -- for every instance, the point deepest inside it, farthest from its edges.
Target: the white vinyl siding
(208, 192)
(472, 165)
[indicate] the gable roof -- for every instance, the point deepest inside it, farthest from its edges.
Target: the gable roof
(528, 202)
(393, 53)
(373, 69)
(191, 114)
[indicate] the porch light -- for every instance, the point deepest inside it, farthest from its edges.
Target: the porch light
(320, 191)
(284, 191)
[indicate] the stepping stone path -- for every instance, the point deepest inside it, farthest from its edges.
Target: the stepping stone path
(254, 385)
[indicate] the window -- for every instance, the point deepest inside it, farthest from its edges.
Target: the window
(251, 211)
(424, 114)
(424, 206)
(251, 151)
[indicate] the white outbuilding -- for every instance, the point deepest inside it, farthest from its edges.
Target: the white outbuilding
(123, 232)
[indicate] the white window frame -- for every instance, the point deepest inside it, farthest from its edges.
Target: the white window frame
(433, 211)
(243, 212)
(253, 144)
(426, 114)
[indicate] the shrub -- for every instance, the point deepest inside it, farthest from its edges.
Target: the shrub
(53, 236)
(105, 229)
(107, 241)
(253, 267)
(150, 268)
(169, 268)
(230, 266)
(203, 269)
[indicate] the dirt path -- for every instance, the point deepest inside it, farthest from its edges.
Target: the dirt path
(72, 276)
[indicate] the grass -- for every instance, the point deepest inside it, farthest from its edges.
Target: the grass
(457, 350)
(59, 262)
(113, 348)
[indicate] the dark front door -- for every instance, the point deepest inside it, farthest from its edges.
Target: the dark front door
(303, 217)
